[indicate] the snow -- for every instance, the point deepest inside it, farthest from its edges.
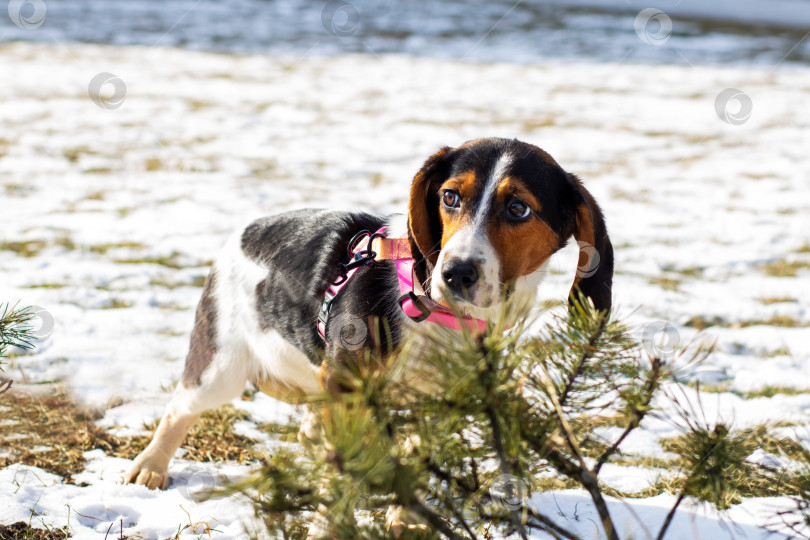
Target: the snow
(205, 142)
(637, 518)
(89, 511)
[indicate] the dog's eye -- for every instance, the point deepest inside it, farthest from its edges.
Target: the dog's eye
(451, 199)
(518, 209)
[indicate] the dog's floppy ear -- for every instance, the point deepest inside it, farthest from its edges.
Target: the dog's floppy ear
(594, 277)
(424, 221)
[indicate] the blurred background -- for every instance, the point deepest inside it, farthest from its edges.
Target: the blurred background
(760, 32)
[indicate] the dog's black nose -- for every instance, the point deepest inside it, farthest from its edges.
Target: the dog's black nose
(459, 276)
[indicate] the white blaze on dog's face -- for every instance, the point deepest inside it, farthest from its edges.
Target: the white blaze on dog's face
(468, 268)
(486, 217)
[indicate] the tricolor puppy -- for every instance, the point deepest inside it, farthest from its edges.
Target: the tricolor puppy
(483, 218)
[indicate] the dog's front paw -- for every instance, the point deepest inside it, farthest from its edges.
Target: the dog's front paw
(146, 473)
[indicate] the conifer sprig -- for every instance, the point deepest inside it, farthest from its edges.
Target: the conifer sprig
(15, 331)
(449, 437)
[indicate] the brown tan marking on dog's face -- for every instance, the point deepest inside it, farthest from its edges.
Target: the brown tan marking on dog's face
(522, 245)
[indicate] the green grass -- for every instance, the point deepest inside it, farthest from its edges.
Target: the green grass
(782, 321)
(718, 388)
(117, 303)
(169, 261)
(28, 248)
(690, 271)
(104, 248)
(32, 248)
(783, 268)
(777, 300)
(769, 391)
(196, 281)
(46, 286)
(13, 189)
(644, 461)
(700, 322)
(782, 351)
(666, 283)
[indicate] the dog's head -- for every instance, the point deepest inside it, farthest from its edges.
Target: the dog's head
(490, 213)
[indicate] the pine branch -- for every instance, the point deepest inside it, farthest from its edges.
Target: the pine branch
(15, 328)
(639, 412)
(670, 516)
(565, 427)
(541, 522)
(579, 312)
(433, 519)
(504, 465)
(587, 477)
(550, 527)
(15, 331)
(589, 481)
(527, 405)
(580, 365)
(465, 488)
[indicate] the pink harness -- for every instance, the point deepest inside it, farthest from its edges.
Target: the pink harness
(416, 306)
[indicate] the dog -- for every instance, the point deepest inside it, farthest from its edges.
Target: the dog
(483, 219)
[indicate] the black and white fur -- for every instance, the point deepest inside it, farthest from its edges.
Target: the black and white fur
(256, 320)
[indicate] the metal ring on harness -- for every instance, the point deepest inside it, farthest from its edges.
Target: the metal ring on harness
(358, 258)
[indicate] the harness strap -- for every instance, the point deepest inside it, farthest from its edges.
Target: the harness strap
(421, 308)
(417, 307)
(335, 288)
(391, 249)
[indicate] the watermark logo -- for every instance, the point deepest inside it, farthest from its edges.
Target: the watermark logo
(588, 267)
(27, 14)
(653, 26)
(115, 397)
(660, 339)
(340, 18)
(195, 483)
(352, 331)
(44, 328)
(106, 90)
(509, 491)
(733, 106)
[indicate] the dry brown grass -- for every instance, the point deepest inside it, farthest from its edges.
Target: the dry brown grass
(52, 432)
(23, 531)
(211, 439)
